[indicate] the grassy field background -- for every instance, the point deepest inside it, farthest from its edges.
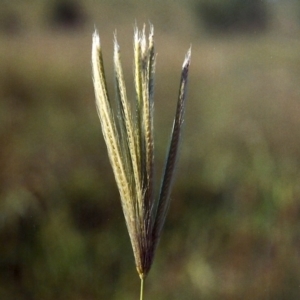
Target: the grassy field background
(233, 229)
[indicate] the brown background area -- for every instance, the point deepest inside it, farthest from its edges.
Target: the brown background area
(233, 229)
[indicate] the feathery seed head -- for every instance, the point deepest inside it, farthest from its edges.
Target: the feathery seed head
(130, 145)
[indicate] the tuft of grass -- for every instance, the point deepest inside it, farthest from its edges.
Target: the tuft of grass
(128, 135)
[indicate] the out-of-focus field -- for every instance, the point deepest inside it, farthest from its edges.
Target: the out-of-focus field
(233, 229)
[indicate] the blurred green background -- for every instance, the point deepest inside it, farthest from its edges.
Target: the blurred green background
(233, 229)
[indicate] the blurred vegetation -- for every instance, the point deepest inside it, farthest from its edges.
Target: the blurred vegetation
(227, 15)
(233, 231)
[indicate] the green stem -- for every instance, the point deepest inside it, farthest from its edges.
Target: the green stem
(142, 289)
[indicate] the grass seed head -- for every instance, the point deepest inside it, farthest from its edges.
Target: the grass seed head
(130, 145)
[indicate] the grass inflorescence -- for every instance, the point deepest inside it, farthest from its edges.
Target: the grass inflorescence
(128, 135)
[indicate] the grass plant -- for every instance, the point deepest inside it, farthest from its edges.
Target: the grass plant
(128, 134)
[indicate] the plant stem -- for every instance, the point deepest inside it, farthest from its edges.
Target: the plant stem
(142, 289)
